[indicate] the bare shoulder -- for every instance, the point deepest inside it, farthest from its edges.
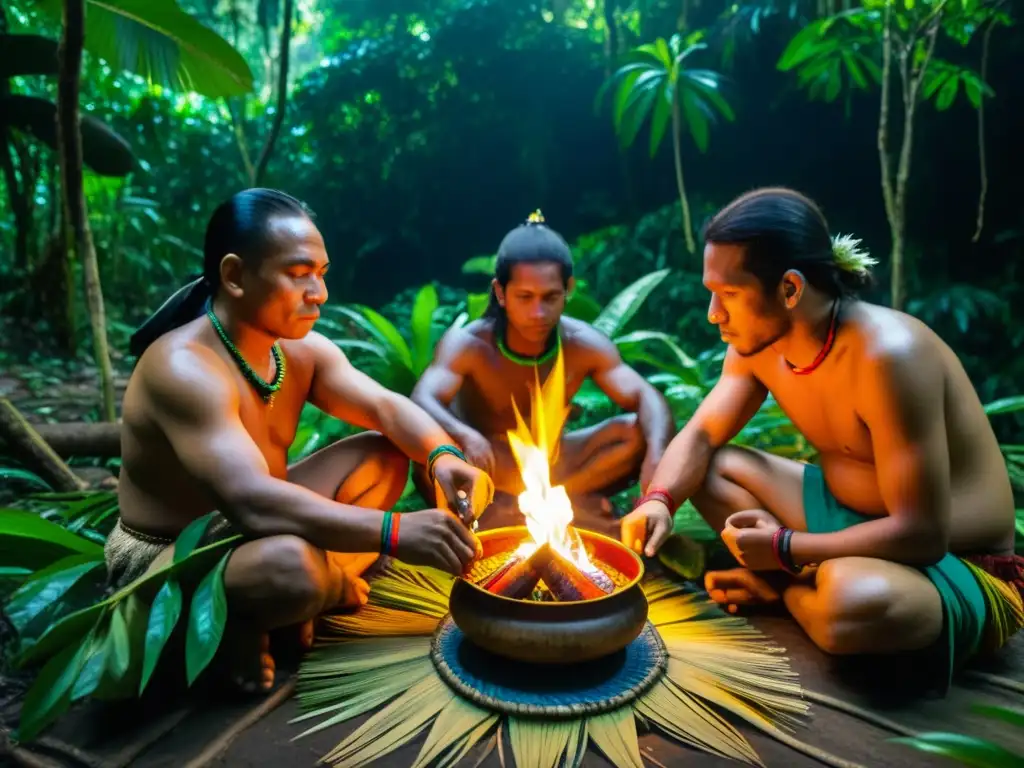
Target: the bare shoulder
(461, 347)
(579, 336)
(896, 350)
(312, 348)
(181, 376)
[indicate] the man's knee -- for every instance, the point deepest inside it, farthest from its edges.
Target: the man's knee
(732, 472)
(392, 464)
(865, 610)
(294, 571)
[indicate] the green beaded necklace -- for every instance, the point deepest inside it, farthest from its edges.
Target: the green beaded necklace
(546, 357)
(266, 390)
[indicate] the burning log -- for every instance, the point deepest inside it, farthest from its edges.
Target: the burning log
(515, 579)
(566, 580)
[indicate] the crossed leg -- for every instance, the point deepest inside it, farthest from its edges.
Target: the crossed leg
(850, 605)
(279, 581)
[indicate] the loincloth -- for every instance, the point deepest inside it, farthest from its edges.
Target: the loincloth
(129, 553)
(982, 596)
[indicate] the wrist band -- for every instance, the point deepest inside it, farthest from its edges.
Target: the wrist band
(658, 494)
(781, 547)
(437, 453)
(389, 533)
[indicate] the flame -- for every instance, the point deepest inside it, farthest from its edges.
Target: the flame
(547, 508)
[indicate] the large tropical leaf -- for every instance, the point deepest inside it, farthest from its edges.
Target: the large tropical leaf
(103, 150)
(620, 310)
(28, 541)
(423, 309)
(163, 44)
(22, 55)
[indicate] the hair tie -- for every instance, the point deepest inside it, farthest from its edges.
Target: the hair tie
(849, 257)
(535, 218)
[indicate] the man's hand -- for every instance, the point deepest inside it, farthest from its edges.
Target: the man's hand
(649, 524)
(436, 538)
(478, 451)
(451, 476)
(748, 535)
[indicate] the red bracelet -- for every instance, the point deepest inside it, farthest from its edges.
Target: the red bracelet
(658, 494)
(393, 538)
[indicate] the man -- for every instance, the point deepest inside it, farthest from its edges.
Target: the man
(212, 408)
(909, 468)
(478, 370)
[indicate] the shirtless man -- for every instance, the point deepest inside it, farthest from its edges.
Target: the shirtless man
(909, 469)
(204, 431)
(477, 371)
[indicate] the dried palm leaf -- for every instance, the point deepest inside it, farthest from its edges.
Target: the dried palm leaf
(717, 663)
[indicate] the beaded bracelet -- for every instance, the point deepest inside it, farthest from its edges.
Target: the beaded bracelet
(389, 533)
(658, 494)
(437, 453)
(781, 547)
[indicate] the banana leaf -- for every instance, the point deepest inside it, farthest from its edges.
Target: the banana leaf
(621, 309)
(28, 541)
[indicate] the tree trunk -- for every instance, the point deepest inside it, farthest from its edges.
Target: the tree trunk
(683, 202)
(99, 440)
(16, 194)
(888, 197)
(982, 165)
(69, 139)
(282, 93)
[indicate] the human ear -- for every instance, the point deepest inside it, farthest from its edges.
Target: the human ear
(498, 292)
(792, 288)
(231, 268)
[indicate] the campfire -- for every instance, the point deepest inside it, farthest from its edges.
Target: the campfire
(553, 557)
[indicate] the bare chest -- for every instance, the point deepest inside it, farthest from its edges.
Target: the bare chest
(272, 426)
(823, 405)
(492, 393)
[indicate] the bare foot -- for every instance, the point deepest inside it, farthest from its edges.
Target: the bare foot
(251, 667)
(737, 587)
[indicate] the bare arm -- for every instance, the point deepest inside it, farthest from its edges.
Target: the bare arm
(903, 409)
(732, 402)
(348, 394)
(440, 383)
(631, 392)
(197, 409)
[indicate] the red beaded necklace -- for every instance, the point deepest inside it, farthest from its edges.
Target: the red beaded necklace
(829, 341)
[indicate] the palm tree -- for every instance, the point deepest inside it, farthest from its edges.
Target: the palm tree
(654, 82)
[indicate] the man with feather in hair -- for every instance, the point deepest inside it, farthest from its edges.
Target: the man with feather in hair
(899, 538)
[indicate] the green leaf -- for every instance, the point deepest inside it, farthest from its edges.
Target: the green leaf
(9, 473)
(97, 646)
(389, 334)
(947, 93)
(103, 151)
(802, 46)
(835, 81)
(707, 84)
(1005, 405)
(966, 750)
(696, 121)
(1012, 716)
(50, 693)
(856, 73)
(423, 309)
(934, 83)
(683, 556)
(476, 304)
(163, 44)
(633, 109)
(26, 55)
(660, 118)
(40, 594)
(29, 541)
(190, 537)
(163, 617)
(207, 617)
(480, 265)
(118, 653)
(582, 306)
(684, 367)
(620, 310)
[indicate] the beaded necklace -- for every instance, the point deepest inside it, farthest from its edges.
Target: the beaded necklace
(829, 342)
(547, 356)
(266, 390)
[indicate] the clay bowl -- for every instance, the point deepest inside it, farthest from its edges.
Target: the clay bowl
(550, 632)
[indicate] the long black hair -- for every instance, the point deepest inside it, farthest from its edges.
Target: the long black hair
(530, 243)
(239, 225)
(781, 229)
